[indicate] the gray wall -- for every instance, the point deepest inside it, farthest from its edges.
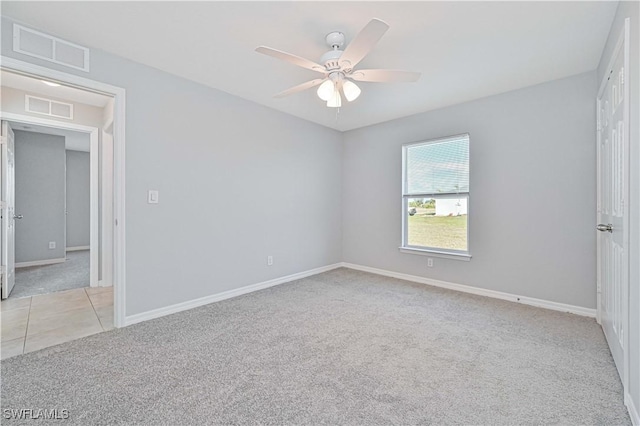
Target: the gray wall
(631, 9)
(40, 196)
(532, 199)
(237, 182)
(78, 199)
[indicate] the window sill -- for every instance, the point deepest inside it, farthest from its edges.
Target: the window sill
(434, 253)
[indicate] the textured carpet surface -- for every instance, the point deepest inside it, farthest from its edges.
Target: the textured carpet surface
(343, 347)
(34, 280)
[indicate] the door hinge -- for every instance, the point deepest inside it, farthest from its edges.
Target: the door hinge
(622, 76)
(3, 140)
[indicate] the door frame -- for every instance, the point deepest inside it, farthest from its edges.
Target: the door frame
(94, 156)
(8, 211)
(622, 43)
(119, 97)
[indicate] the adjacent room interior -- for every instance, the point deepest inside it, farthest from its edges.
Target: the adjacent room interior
(321, 212)
(52, 203)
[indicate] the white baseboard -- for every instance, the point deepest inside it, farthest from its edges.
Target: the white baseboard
(40, 262)
(578, 310)
(633, 411)
(78, 248)
(190, 304)
(178, 307)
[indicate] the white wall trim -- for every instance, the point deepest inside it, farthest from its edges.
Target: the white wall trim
(190, 304)
(47, 122)
(94, 202)
(40, 262)
(562, 307)
(107, 201)
(633, 411)
(78, 248)
(465, 257)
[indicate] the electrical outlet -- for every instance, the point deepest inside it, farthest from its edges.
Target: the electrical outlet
(430, 262)
(269, 260)
(52, 245)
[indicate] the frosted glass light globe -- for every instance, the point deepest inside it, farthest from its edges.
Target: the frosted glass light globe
(351, 90)
(326, 89)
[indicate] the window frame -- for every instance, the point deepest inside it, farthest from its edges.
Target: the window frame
(424, 250)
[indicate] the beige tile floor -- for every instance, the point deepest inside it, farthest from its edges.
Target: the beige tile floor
(32, 323)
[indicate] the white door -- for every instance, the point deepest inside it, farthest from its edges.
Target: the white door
(612, 205)
(7, 175)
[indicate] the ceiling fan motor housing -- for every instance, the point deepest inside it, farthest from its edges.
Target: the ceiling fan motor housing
(330, 59)
(335, 40)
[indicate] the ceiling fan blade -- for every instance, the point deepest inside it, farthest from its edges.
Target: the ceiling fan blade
(296, 60)
(362, 44)
(385, 76)
(300, 87)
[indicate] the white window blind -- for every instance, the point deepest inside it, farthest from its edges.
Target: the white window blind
(438, 167)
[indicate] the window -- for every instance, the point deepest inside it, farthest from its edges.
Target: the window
(435, 196)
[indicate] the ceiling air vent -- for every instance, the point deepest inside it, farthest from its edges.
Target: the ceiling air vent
(48, 107)
(49, 48)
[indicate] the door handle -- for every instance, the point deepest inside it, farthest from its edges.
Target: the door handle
(605, 228)
(18, 216)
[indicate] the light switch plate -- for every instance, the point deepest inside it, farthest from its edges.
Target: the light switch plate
(153, 196)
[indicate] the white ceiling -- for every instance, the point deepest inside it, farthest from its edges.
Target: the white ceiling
(465, 50)
(74, 141)
(37, 87)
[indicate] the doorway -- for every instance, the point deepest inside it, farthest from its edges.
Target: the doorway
(55, 189)
(88, 219)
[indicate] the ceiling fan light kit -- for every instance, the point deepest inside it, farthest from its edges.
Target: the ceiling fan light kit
(338, 66)
(329, 90)
(335, 101)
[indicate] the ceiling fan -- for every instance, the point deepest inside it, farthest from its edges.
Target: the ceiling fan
(337, 66)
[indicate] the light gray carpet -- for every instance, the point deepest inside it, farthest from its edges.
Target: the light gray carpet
(74, 273)
(343, 347)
